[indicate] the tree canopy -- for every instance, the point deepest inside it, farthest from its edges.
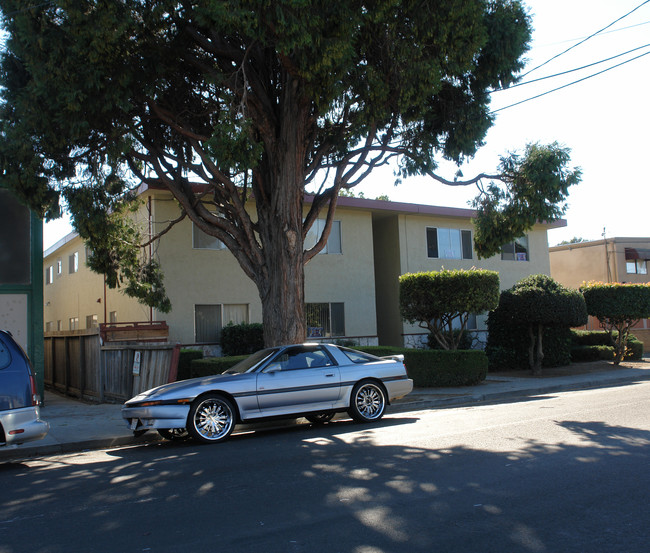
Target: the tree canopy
(618, 307)
(221, 102)
(536, 302)
(435, 300)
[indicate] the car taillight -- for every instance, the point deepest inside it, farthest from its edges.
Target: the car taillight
(36, 400)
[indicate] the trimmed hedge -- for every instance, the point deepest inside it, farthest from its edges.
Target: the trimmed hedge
(214, 365)
(599, 339)
(184, 363)
(242, 339)
(438, 368)
(427, 368)
(591, 353)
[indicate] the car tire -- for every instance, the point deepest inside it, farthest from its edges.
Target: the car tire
(174, 434)
(367, 402)
(211, 419)
(320, 418)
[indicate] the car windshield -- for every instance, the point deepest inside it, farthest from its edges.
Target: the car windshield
(251, 362)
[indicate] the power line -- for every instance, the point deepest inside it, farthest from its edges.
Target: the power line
(586, 39)
(572, 83)
(571, 70)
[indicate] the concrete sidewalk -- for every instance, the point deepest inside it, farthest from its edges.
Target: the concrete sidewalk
(78, 426)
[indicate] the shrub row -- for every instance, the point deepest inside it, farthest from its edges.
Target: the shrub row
(599, 340)
(185, 361)
(242, 339)
(439, 368)
(213, 365)
(427, 368)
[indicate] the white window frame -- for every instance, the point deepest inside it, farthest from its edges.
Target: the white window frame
(331, 328)
(73, 263)
(225, 310)
(212, 242)
(334, 244)
(523, 243)
(462, 238)
(636, 266)
(49, 275)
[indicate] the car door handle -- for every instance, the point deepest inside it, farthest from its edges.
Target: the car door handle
(329, 375)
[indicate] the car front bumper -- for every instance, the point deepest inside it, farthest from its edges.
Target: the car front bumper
(155, 416)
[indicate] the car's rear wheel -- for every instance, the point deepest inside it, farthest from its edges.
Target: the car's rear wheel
(174, 434)
(368, 402)
(320, 418)
(212, 419)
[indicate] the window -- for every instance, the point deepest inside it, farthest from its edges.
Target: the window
(73, 323)
(637, 266)
(446, 243)
(516, 250)
(210, 319)
(91, 321)
(333, 241)
(203, 241)
(49, 275)
(112, 317)
(325, 320)
(59, 325)
(59, 267)
(48, 326)
(73, 263)
(300, 357)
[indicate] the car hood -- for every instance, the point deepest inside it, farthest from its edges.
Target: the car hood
(191, 387)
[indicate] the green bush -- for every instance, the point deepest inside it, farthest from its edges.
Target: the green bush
(214, 365)
(535, 306)
(601, 338)
(184, 362)
(464, 341)
(507, 346)
(436, 300)
(242, 339)
(438, 368)
(581, 354)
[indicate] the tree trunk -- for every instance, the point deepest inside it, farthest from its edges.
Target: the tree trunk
(279, 191)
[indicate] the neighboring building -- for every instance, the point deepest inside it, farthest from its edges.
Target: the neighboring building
(351, 288)
(607, 260)
(21, 284)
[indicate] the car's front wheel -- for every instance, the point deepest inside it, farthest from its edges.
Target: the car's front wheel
(368, 402)
(212, 419)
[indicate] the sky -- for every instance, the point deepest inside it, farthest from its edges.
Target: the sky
(604, 120)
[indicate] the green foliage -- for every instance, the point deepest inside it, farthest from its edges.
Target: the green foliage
(618, 307)
(185, 361)
(600, 339)
(434, 299)
(581, 354)
(438, 368)
(215, 101)
(213, 365)
(536, 186)
(464, 340)
(535, 311)
(242, 339)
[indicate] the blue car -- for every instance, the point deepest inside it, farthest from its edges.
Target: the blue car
(19, 401)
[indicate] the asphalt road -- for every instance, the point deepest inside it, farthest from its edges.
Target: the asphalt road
(567, 472)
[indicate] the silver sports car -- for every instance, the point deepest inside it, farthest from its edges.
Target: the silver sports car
(311, 380)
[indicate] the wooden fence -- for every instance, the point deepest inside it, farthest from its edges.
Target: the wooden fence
(79, 364)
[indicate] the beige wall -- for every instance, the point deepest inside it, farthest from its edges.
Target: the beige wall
(412, 254)
(572, 264)
(81, 294)
(201, 276)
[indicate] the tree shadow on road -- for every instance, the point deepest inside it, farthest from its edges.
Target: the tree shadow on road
(338, 487)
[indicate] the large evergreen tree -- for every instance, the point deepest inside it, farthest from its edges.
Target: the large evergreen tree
(226, 100)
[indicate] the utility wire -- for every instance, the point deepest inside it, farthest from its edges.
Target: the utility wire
(570, 70)
(572, 83)
(586, 39)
